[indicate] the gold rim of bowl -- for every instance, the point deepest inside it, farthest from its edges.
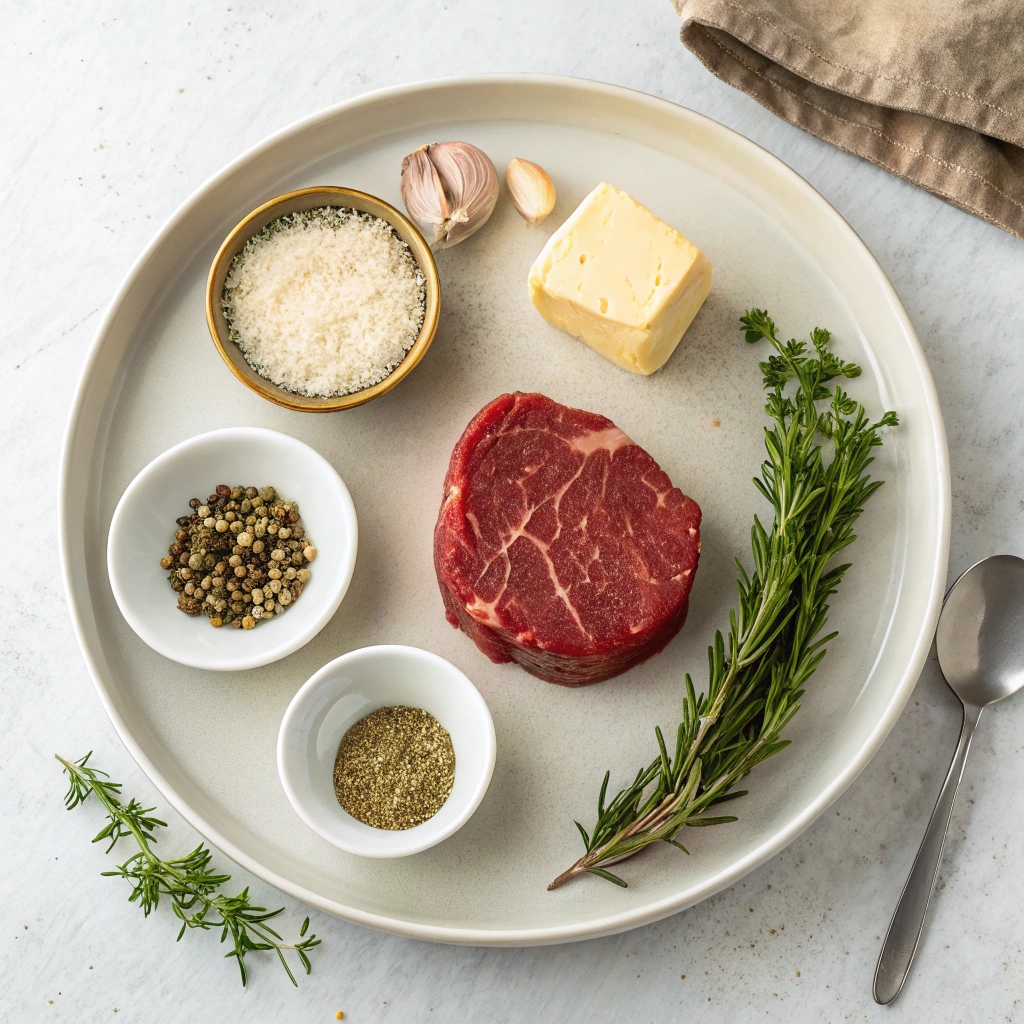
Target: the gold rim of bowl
(294, 202)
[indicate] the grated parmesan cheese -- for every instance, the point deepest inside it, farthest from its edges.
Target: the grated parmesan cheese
(325, 302)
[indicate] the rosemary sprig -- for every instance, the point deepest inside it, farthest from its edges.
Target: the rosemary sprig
(188, 882)
(757, 675)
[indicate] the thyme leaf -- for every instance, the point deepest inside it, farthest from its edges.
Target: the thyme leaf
(757, 673)
(189, 882)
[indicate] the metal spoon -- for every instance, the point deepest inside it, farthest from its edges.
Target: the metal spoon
(980, 644)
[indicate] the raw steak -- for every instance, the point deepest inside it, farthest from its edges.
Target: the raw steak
(561, 544)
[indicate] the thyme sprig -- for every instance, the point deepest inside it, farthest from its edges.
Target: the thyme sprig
(757, 675)
(189, 882)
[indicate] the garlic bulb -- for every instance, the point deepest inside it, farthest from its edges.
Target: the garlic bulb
(450, 187)
(531, 189)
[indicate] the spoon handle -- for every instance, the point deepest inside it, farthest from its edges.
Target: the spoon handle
(907, 923)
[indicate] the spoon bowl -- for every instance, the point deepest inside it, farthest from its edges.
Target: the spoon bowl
(980, 637)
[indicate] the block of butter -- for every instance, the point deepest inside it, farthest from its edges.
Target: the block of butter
(622, 280)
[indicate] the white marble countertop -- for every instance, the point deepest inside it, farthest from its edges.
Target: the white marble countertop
(113, 113)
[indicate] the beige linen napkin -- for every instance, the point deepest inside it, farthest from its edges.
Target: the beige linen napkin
(932, 90)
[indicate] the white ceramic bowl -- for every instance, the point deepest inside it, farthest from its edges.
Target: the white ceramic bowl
(346, 690)
(144, 523)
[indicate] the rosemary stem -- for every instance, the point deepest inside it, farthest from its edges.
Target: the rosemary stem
(758, 670)
(187, 886)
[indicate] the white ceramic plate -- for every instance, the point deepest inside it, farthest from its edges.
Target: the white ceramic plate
(208, 739)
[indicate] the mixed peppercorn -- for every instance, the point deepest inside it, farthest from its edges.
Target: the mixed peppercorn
(241, 557)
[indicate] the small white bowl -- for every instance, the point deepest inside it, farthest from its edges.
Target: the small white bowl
(348, 689)
(144, 525)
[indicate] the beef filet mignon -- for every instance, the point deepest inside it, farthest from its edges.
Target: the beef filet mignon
(561, 544)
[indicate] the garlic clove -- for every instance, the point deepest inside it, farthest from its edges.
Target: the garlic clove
(422, 191)
(531, 189)
(450, 186)
(471, 185)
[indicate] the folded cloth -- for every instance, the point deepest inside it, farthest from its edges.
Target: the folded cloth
(932, 90)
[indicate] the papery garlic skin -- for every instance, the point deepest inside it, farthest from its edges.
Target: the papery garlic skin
(531, 190)
(451, 187)
(422, 190)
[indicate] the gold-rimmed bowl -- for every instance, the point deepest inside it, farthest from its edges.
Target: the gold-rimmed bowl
(295, 202)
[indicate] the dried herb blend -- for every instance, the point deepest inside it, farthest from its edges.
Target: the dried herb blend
(241, 557)
(394, 768)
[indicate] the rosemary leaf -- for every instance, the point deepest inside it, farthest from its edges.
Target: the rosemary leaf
(188, 882)
(758, 671)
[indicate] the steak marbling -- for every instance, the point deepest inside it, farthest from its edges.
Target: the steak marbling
(561, 544)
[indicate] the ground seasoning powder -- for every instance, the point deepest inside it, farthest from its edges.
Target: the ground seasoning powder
(394, 768)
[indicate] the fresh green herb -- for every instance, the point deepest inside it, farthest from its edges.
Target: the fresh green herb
(757, 676)
(188, 882)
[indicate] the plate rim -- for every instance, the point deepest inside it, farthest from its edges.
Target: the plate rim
(611, 923)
